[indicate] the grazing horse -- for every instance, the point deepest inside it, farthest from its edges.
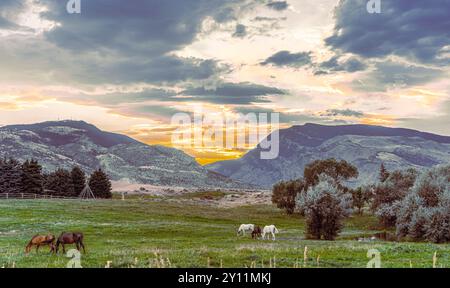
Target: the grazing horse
(256, 232)
(70, 238)
(245, 228)
(41, 240)
(269, 229)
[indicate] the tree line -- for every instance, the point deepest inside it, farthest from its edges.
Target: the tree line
(416, 204)
(28, 178)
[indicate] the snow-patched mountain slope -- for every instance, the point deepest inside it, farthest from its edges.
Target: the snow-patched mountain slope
(64, 144)
(364, 146)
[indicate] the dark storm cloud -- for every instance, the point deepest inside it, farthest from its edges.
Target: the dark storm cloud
(278, 5)
(231, 93)
(391, 74)
(286, 58)
(417, 30)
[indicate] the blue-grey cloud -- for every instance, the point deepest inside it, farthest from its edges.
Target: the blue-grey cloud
(417, 30)
(286, 58)
(9, 8)
(113, 42)
(342, 112)
(241, 31)
(278, 5)
(335, 65)
(390, 74)
(231, 93)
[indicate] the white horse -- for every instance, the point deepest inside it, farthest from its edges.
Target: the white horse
(245, 228)
(269, 229)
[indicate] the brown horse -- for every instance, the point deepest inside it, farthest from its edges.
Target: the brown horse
(41, 240)
(256, 233)
(70, 238)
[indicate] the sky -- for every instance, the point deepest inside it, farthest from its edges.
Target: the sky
(130, 66)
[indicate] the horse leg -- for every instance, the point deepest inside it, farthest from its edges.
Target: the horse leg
(273, 236)
(37, 248)
(82, 245)
(64, 248)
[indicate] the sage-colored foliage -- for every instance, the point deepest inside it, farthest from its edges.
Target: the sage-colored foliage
(388, 195)
(424, 214)
(325, 206)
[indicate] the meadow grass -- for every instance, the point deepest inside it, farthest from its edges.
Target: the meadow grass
(148, 233)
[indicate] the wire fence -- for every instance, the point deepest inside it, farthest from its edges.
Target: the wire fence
(6, 196)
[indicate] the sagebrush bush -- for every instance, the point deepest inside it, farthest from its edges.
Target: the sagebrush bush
(324, 207)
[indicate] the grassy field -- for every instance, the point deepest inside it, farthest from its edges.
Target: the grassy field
(151, 233)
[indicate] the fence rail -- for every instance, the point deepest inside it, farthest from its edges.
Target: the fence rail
(4, 196)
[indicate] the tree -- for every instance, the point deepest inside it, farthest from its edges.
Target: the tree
(32, 179)
(384, 174)
(59, 183)
(10, 176)
(100, 185)
(388, 195)
(360, 197)
(424, 214)
(78, 180)
(284, 194)
(324, 206)
(338, 171)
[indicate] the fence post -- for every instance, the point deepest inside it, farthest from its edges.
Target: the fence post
(7, 196)
(21, 195)
(123, 196)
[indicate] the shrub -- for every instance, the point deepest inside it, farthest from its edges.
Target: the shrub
(324, 207)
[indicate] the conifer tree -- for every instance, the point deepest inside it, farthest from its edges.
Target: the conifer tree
(59, 183)
(32, 179)
(100, 185)
(78, 180)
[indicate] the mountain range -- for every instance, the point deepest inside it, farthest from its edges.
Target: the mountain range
(364, 146)
(65, 144)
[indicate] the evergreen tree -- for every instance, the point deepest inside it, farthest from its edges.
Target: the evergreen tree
(78, 180)
(100, 185)
(10, 176)
(32, 179)
(59, 183)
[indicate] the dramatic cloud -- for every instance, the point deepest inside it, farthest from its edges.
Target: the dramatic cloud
(278, 5)
(417, 30)
(286, 58)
